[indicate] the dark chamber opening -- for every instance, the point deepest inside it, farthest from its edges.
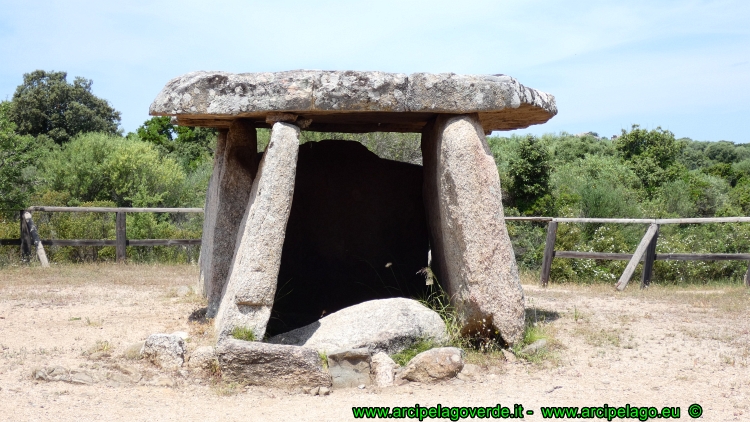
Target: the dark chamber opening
(357, 231)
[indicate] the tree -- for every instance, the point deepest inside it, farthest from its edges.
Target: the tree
(185, 144)
(17, 157)
(46, 104)
(652, 155)
(529, 175)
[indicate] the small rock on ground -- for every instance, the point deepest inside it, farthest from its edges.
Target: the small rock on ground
(437, 364)
(534, 347)
(166, 351)
(383, 369)
(202, 358)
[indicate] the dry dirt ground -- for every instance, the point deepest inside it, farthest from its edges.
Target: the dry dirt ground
(665, 346)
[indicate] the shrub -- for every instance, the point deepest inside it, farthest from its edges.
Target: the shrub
(126, 171)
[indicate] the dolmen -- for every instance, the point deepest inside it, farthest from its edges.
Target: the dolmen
(296, 232)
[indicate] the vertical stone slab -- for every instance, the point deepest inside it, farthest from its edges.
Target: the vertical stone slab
(248, 297)
(471, 251)
(210, 213)
(235, 181)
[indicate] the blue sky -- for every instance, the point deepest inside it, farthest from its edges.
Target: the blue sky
(683, 65)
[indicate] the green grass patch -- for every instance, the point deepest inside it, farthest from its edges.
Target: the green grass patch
(324, 358)
(243, 333)
(403, 357)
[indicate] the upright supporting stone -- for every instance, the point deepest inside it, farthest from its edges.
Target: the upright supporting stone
(249, 293)
(235, 180)
(471, 251)
(210, 213)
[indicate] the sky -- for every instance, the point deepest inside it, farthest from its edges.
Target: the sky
(682, 65)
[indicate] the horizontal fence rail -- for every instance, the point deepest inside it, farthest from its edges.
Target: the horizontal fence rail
(30, 237)
(113, 209)
(645, 252)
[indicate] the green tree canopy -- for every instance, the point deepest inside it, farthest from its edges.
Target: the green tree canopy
(529, 173)
(18, 155)
(46, 104)
(187, 145)
(652, 155)
(126, 171)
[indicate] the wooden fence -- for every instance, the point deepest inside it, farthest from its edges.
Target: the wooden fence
(30, 237)
(646, 250)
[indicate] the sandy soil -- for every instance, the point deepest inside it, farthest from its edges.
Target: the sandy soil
(665, 346)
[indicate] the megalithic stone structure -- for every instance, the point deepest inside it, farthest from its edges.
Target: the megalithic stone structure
(249, 292)
(472, 254)
(235, 174)
(210, 214)
(471, 251)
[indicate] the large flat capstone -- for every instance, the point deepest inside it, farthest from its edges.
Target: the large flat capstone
(382, 101)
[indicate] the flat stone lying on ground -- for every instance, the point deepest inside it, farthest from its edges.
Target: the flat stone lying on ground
(272, 365)
(434, 365)
(387, 325)
(59, 373)
(166, 351)
(349, 368)
(215, 98)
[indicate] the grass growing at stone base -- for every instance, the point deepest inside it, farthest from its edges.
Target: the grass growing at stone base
(323, 358)
(403, 357)
(535, 330)
(439, 301)
(487, 346)
(243, 333)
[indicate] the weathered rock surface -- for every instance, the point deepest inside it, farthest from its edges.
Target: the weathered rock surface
(349, 368)
(59, 373)
(271, 365)
(202, 358)
(534, 347)
(469, 372)
(236, 171)
(357, 231)
(383, 369)
(213, 98)
(387, 325)
(472, 254)
(210, 215)
(166, 351)
(249, 293)
(434, 365)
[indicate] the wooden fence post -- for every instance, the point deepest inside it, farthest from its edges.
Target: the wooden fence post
(648, 262)
(747, 277)
(25, 239)
(549, 251)
(120, 237)
(645, 242)
(34, 234)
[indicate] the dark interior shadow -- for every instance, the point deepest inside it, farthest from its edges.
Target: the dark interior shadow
(199, 316)
(534, 314)
(297, 338)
